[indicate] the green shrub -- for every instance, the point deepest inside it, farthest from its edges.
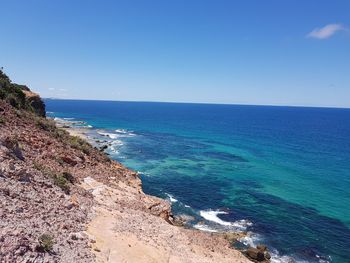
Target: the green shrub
(79, 144)
(61, 180)
(2, 120)
(46, 124)
(62, 183)
(14, 94)
(69, 177)
(60, 134)
(46, 242)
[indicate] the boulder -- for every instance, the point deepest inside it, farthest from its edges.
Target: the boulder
(258, 254)
(232, 237)
(261, 247)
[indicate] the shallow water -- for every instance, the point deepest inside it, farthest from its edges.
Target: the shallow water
(282, 173)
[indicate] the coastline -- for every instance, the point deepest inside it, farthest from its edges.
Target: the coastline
(119, 236)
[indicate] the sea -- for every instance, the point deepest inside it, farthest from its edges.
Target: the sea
(281, 175)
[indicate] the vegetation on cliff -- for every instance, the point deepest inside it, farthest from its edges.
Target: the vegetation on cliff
(20, 96)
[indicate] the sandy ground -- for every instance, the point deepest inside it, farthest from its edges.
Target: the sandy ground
(121, 232)
(79, 132)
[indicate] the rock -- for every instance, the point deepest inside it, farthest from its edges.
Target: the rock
(24, 177)
(69, 160)
(255, 254)
(258, 254)
(19, 210)
(104, 147)
(234, 236)
(76, 236)
(13, 145)
(163, 210)
(261, 247)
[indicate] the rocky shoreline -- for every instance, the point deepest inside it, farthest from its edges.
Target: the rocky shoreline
(62, 200)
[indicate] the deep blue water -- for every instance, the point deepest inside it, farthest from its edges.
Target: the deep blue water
(280, 173)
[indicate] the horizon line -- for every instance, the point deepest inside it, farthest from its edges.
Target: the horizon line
(205, 103)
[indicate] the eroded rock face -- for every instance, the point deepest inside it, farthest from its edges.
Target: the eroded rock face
(162, 209)
(258, 254)
(34, 101)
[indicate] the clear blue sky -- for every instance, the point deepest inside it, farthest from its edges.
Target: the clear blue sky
(248, 52)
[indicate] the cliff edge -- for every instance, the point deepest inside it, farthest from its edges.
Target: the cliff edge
(61, 200)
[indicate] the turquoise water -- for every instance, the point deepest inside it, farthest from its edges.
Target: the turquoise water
(280, 173)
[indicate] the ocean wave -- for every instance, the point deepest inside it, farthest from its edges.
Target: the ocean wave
(110, 135)
(253, 239)
(123, 131)
(171, 198)
(242, 224)
(114, 147)
(212, 215)
(284, 259)
(143, 173)
(118, 134)
(116, 143)
(205, 228)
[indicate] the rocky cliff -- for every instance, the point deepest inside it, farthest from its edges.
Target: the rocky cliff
(20, 96)
(61, 200)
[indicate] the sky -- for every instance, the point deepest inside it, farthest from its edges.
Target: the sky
(272, 52)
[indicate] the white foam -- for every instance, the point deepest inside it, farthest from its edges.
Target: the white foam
(121, 131)
(117, 143)
(211, 215)
(283, 259)
(110, 135)
(143, 173)
(203, 227)
(125, 132)
(277, 258)
(242, 224)
(251, 239)
(115, 146)
(171, 198)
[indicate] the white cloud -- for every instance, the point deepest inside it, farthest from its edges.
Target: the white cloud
(326, 31)
(51, 88)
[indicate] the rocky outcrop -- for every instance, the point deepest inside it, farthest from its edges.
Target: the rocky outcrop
(36, 103)
(259, 254)
(20, 96)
